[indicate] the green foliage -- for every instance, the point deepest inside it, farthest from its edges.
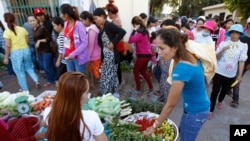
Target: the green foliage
(156, 6)
(191, 8)
(242, 5)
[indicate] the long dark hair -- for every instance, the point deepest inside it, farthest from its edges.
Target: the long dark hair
(65, 117)
(86, 15)
(138, 21)
(174, 39)
(70, 10)
(58, 21)
(10, 20)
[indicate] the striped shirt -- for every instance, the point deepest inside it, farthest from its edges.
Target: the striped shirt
(60, 43)
(1, 39)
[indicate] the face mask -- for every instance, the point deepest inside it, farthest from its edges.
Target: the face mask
(205, 33)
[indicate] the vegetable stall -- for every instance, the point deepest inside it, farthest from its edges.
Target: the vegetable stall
(123, 120)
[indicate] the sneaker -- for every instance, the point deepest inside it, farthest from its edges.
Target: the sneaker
(117, 95)
(234, 104)
(219, 105)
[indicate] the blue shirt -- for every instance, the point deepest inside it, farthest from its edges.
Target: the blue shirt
(195, 98)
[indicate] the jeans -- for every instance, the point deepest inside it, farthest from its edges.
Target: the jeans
(34, 57)
(46, 60)
(21, 63)
(191, 124)
(73, 65)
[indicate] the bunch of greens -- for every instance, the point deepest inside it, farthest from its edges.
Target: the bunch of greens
(125, 67)
(140, 105)
(124, 131)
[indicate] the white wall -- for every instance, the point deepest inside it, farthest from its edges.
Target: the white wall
(2, 11)
(127, 10)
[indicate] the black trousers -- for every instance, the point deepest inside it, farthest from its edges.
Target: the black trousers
(221, 84)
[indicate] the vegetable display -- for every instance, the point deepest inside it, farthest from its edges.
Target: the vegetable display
(140, 122)
(106, 105)
(8, 103)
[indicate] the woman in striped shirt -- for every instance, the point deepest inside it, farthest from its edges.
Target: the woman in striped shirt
(58, 25)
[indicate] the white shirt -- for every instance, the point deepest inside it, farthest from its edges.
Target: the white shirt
(203, 39)
(227, 64)
(196, 33)
(91, 119)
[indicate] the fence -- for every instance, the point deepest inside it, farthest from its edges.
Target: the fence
(22, 8)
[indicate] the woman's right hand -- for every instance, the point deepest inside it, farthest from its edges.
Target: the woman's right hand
(6, 61)
(58, 62)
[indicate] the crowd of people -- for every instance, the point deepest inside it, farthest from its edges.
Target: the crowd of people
(67, 47)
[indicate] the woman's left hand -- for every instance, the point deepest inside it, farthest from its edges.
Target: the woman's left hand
(111, 46)
(37, 44)
(150, 130)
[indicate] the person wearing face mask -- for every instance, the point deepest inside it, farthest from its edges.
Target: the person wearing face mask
(207, 30)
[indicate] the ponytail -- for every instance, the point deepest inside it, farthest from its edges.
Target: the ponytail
(10, 20)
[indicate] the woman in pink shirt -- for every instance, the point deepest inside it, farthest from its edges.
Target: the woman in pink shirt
(94, 49)
(140, 37)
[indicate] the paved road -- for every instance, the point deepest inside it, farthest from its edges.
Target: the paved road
(216, 129)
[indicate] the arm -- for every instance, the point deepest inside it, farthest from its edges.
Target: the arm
(82, 38)
(92, 37)
(44, 31)
(241, 68)
(27, 39)
(7, 50)
(119, 32)
(173, 97)
(220, 50)
(101, 137)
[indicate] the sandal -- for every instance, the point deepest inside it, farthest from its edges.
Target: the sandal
(38, 85)
(234, 104)
(47, 84)
(210, 115)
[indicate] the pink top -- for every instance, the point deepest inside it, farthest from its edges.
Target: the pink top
(221, 37)
(94, 48)
(142, 43)
(190, 35)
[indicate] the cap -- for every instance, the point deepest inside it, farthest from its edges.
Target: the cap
(248, 20)
(38, 11)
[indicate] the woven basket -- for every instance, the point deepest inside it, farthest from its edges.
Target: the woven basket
(24, 126)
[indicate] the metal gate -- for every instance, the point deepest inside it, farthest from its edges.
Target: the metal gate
(22, 8)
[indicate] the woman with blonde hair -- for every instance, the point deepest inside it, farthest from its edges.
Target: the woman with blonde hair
(66, 120)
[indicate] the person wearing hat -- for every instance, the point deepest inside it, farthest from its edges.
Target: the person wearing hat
(231, 56)
(236, 88)
(207, 30)
(43, 19)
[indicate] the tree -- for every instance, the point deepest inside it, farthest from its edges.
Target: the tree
(192, 8)
(242, 5)
(156, 6)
